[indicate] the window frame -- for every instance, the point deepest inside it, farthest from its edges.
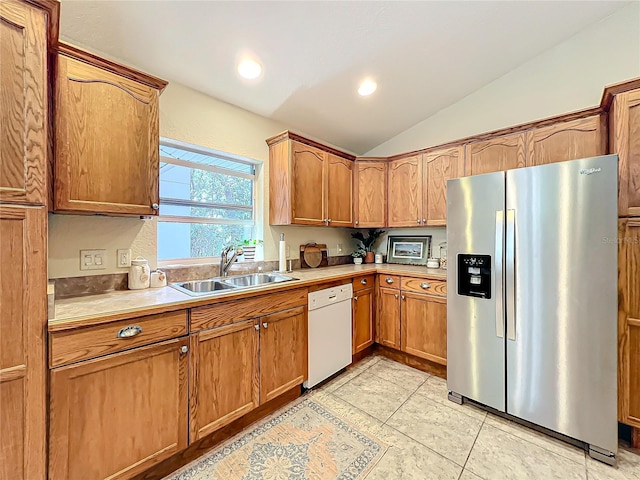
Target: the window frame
(255, 164)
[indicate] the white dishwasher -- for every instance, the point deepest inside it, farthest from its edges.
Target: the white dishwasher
(329, 332)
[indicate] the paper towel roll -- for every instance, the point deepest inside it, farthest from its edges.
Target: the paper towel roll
(282, 254)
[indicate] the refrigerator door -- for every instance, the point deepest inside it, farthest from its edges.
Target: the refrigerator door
(561, 297)
(475, 324)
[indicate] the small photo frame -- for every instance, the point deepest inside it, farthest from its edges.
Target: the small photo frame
(411, 250)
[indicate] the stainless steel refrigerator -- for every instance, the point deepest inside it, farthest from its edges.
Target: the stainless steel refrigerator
(532, 296)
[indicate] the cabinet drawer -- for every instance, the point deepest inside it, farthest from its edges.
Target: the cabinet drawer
(428, 286)
(234, 311)
(363, 282)
(389, 281)
(90, 342)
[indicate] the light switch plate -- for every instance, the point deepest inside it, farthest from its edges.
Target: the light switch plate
(124, 257)
(93, 259)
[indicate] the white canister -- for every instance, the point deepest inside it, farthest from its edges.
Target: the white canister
(158, 279)
(139, 274)
(433, 263)
(378, 258)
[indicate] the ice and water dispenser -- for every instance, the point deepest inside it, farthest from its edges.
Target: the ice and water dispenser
(474, 275)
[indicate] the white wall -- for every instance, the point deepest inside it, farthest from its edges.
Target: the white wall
(192, 117)
(568, 77)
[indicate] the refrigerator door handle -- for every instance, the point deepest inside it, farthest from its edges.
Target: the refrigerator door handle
(498, 258)
(510, 267)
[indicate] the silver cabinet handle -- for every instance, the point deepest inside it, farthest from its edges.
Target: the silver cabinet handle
(184, 349)
(395, 295)
(355, 298)
(257, 327)
(510, 274)
(425, 285)
(155, 206)
(265, 324)
(389, 280)
(363, 281)
(499, 248)
(129, 331)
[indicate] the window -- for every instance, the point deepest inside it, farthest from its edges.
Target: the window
(207, 201)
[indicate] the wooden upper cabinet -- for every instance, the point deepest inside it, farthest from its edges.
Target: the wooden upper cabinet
(309, 183)
(308, 194)
(23, 104)
(405, 192)
(339, 191)
(581, 138)
(625, 141)
(23, 268)
(115, 416)
(106, 136)
(505, 152)
(224, 376)
(371, 194)
(438, 167)
(283, 352)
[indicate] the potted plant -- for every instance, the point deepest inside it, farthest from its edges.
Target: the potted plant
(249, 249)
(358, 255)
(367, 243)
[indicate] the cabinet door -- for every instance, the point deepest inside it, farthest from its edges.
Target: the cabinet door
(495, 155)
(224, 376)
(371, 194)
(629, 323)
(339, 191)
(625, 141)
(23, 267)
(388, 324)
(106, 142)
(23, 103)
(308, 196)
(115, 416)
(439, 166)
(283, 352)
(424, 327)
(582, 138)
(362, 316)
(405, 192)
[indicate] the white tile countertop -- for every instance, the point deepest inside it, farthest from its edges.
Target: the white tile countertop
(96, 309)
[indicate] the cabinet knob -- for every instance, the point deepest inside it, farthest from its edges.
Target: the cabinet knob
(329, 220)
(355, 298)
(184, 349)
(396, 295)
(129, 331)
(155, 206)
(389, 280)
(418, 221)
(363, 281)
(265, 325)
(403, 297)
(357, 222)
(425, 285)
(257, 327)
(424, 220)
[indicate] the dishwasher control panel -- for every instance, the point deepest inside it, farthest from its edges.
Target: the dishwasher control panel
(328, 296)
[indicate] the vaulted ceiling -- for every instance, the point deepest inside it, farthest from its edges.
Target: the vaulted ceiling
(424, 56)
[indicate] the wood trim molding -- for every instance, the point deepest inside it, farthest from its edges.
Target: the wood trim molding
(52, 7)
(289, 135)
(611, 91)
(113, 67)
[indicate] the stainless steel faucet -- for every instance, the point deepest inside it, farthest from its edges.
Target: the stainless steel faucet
(226, 261)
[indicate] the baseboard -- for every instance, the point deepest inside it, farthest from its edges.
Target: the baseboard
(412, 361)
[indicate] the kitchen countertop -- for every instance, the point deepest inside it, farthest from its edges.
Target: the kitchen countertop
(96, 309)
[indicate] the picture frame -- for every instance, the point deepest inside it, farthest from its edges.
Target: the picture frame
(413, 250)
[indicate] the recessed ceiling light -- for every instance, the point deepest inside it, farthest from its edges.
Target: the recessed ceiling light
(367, 87)
(249, 69)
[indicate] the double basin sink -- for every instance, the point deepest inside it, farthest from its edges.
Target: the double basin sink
(224, 284)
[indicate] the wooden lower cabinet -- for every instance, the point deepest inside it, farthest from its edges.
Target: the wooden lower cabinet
(424, 326)
(23, 285)
(388, 324)
(115, 416)
(283, 352)
(224, 376)
(362, 315)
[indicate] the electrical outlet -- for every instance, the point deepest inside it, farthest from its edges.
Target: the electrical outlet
(339, 249)
(124, 257)
(93, 259)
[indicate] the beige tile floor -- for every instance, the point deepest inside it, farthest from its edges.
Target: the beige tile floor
(430, 437)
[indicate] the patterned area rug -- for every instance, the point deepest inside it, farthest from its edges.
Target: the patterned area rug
(303, 441)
